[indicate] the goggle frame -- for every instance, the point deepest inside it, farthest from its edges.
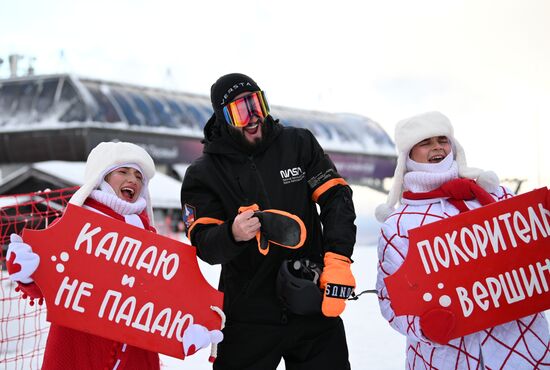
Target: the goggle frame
(239, 111)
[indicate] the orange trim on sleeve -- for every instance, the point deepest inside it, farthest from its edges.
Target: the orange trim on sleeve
(327, 185)
(204, 221)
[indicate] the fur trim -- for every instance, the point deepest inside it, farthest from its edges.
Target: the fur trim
(108, 155)
(383, 211)
(489, 181)
(411, 131)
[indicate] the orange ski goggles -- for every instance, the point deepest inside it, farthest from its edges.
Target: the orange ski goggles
(241, 111)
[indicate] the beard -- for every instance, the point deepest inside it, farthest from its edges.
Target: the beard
(250, 147)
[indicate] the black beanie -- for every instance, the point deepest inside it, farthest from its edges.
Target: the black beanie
(227, 87)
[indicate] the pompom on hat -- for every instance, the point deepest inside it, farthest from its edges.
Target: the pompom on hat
(408, 133)
(107, 156)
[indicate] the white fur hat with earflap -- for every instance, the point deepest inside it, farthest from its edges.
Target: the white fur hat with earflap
(107, 156)
(408, 133)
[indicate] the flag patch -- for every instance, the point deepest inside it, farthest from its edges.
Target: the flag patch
(188, 215)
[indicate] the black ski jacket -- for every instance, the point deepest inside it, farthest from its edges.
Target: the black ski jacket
(288, 172)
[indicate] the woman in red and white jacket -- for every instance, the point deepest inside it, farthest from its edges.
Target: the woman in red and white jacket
(115, 184)
(433, 182)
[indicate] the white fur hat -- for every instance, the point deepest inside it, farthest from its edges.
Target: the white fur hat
(107, 156)
(408, 133)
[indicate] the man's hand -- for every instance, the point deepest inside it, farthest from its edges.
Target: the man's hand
(245, 226)
(20, 260)
(338, 283)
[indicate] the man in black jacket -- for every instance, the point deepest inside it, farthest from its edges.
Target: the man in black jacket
(251, 159)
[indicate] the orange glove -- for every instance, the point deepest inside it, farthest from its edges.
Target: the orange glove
(338, 283)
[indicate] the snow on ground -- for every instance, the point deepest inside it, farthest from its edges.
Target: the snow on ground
(373, 344)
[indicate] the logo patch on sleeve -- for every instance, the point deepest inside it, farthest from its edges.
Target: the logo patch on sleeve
(188, 215)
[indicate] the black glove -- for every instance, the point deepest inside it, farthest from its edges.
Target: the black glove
(278, 227)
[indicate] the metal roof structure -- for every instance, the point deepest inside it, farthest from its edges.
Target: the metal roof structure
(62, 117)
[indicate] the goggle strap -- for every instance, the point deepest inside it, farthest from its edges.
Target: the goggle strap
(263, 102)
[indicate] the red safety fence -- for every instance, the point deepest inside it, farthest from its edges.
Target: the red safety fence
(23, 328)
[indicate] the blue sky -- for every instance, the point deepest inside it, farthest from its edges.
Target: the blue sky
(482, 63)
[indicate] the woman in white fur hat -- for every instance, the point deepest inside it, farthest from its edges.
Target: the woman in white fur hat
(115, 184)
(431, 182)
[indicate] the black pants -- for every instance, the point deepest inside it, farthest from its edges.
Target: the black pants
(305, 343)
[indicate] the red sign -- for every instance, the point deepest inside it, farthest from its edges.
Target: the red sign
(105, 277)
(488, 266)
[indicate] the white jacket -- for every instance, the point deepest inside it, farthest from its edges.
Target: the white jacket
(517, 345)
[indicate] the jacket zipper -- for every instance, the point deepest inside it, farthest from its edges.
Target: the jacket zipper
(260, 181)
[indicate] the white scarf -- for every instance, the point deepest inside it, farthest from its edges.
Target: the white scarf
(423, 177)
(107, 196)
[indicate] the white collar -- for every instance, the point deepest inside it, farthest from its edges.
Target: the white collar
(423, 181)
(118, 205)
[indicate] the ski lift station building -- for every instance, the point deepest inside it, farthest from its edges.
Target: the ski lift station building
(62, 117)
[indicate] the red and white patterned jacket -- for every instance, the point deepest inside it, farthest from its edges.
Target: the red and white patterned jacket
(517, 345)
